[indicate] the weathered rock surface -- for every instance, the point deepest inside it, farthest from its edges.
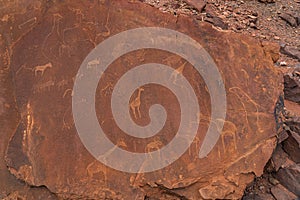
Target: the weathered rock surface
(10, 187)
(198, 4)
(45, 148)
(288, 173)
(291, 51)
(290, 178)
(267, 1)
(216, 21)
(272, 50)
(289, 18)
(291, 145)
(281, 176)
(259, 197)
(292, 86)
(280, 192)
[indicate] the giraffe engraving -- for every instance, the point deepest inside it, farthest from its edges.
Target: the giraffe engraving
(136, 103)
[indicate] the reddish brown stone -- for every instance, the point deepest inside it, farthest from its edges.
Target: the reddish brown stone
(280, 159)
(10, 187)
(289, 18)
(45, 148)
(280, 192)
(292, 108)
(216, 21)
(198, 4)
(292, 87)
(261, 196)
(292, 146)
(267, 1)
(291, 51)
(289, 177)
(271, 49)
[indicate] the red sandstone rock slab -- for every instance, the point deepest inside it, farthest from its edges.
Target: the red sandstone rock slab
(293, 108)
(289, 177)
(199, 5)
(10, 187)
(271, 49)
(46, 150)
(292, 87)
(292, 146)
(280, 192)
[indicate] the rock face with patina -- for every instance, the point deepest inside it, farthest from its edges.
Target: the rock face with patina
(45, 149)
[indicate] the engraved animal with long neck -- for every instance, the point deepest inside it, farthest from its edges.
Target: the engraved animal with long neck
(136, 103)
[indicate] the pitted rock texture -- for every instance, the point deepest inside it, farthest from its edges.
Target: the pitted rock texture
(45, 148)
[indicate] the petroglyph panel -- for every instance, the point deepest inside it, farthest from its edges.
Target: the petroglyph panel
(45, 59)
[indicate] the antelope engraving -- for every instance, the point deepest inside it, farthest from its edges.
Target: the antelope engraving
(107, 89)
(154, 146)
(67, 120)
(41, 68)
(93, 63)
(44, 86)
(66, 92)
(62, 83)
(176, 72)
(107, 33)
(136, 103)
(196, 141)
(64, 48)
(78, 13)
(95, 167)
